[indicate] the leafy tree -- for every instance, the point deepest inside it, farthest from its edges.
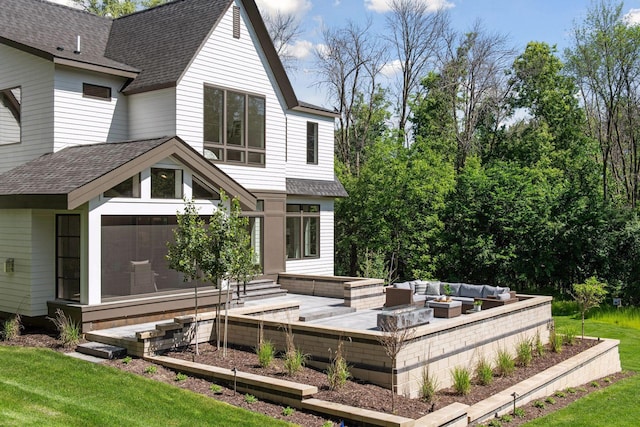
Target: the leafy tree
(116, 8)
(589, 295)
(190, 251)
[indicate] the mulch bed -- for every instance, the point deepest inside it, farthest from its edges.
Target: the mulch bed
(354, 393)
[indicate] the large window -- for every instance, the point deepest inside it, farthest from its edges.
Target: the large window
(68, 257)
(303, 231)
(10, 115)
(234, 127)
(312, 143)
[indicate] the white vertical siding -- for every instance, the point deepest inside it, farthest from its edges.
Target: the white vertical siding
(35, 77)
(297, 166)
(324, 264)
(234, 64)
(85, 120)
(152, 114)
(27, 237)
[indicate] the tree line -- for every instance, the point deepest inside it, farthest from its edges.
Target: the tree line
(483, 164)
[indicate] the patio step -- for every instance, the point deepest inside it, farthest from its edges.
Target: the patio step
(103, 351)
(260, 289)
(325, 312)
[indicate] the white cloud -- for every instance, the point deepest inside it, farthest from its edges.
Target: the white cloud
(391, 68)
(382, 6)
(294, 7)
(632, 17)
(70, 3)
(301, 49)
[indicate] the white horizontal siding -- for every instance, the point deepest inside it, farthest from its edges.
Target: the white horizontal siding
(325, 263)
(234, 64)
(297, 166)
(152, 114)
(43, 272)
(35, 77)
(85, 120)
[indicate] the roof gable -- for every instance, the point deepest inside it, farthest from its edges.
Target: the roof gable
(75, 175)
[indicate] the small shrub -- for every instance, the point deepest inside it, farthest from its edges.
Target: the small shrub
(539, 404)
(250, 398)
(571, 390)
(151, 369)
(338, 370)
(560, 394)
(127, 360)
(594, 384)
(266, 353)
(524, 352)
(288, 411)
(569, 334)
(294, 361)
(538, 345)
(11, 328)
(428, 385)
(607, 380)
(68, 330)
(505, 365)
(484, 371)
(506, 418)
(327, 424)
(215, 389)
(519, 412)
(461, 380)
(495, 423)
(555, 340)
(550, 400)
(181, 377)
(582, 389)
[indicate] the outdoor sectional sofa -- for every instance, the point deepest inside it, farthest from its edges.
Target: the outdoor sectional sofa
(417, 292)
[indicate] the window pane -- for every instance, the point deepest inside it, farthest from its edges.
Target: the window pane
(256, 122)
(235, 156)
(213, 113)
(235, 119)
(256, 158)
(311, 237)
(293, 208)
(255, 231)
(312, 142)
(68, 257)
(202, 191)
(10, 115)
(166, 183)
(127, 188)
(293, 238)
(213, 153)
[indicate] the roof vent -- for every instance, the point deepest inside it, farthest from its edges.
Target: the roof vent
(77, 51)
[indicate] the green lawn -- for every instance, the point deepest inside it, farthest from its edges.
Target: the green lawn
(616, 405)
(40, 387)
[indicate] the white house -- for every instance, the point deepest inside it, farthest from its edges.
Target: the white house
(107, 124)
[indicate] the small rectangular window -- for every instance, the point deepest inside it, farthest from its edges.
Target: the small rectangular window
(10, 115)
(312, 143)
(166, 183)
(95, 91)
(236, 22)
(303, 231)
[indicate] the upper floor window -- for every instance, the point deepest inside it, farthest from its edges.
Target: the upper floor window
(312, 143)
(234, 127)
(303, 231)
(203, 191)
(95, 91)
(10, 115)
(127, 188)
(166, 183)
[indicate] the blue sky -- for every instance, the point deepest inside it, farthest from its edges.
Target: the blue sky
(521, 20)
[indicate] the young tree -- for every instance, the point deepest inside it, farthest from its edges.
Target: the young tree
(589, 295)
(190, 251)
(116, 8)
(394, 338)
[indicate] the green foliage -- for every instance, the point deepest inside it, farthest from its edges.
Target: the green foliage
(607, 380)
(588, 295)
(250, 398)
(571, 390)
(550, 400)
(504, 364)
(555, 341)
(429, 385)
(294, 361)
(116, 8)
(461, 380)
(266, 353)
(151, 369)
(241, 262)
(181, 377)
(564, 308)
(495, 423)
(594, 384)
(338, 370)
(215, 389)
(11, 328)
(327, 424)
(288, 411)
(560, 394)
(539, 404)
(506, 418)
(538, 346)
(524, 352)
(68, 331)
(628, 317)
(569, 335)
(519, 412)
(126, 360)
(484, 371)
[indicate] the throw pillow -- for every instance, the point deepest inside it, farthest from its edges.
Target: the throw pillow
(433, 288)
(421, 287)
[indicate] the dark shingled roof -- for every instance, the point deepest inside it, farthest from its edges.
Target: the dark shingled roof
(162, 41)
(314, 187)
(42, 28)
(72, 167)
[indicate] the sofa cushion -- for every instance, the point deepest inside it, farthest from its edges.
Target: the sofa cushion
(500, 290)
(504, 296)
(402, 285)
(488, 291)
(433, 288)
(420, 287)
(470, 291)
(466, 300)
(455, 288)
(419, 297)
